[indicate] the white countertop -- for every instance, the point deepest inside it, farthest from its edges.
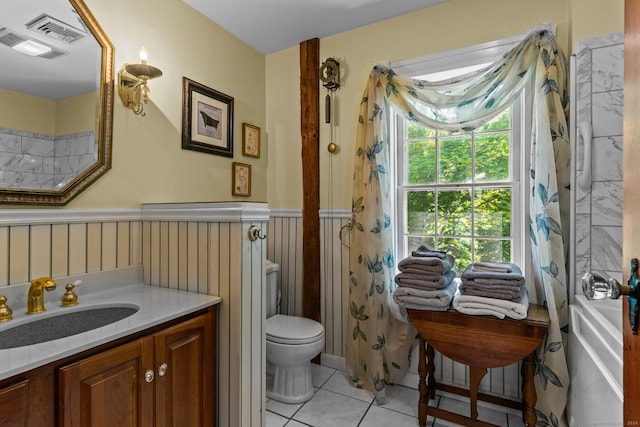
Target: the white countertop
(156, 305)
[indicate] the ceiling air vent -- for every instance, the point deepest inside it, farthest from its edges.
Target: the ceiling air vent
(9, 37)
(58, 30)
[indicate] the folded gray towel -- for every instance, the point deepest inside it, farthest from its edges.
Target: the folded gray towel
(425, 251)
(514, 274)
(507, 293)
(427, 264)
(438, 300)
(513, 283)
(425, 281)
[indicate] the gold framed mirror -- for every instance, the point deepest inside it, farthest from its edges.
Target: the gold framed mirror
(56, 101)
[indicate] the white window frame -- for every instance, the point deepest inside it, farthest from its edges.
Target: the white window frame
(520, 150)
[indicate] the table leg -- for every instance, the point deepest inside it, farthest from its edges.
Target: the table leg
(475, 375)
(529, 392)
(431, 370)
(423, 402)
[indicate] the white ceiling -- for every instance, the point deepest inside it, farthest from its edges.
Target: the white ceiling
(67, 75)
(273, 25)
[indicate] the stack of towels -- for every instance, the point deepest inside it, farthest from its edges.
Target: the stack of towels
(492, 288)
(426, 280)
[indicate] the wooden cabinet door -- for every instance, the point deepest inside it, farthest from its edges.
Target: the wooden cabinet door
(14, 404)
(185, 374)
(109, 389)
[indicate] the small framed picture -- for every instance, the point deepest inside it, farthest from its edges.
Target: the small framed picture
(241, 179)
(207, 119)
(250, 140)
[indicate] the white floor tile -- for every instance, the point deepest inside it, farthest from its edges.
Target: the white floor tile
(294, 423)
(402, 399)
(330, 409)
(284, 409)
(378, 416)
(320, 374)
(274, 420)
(339, 383)
(410, 380)
(462, 407)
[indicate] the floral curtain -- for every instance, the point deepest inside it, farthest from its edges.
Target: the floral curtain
(379, 344)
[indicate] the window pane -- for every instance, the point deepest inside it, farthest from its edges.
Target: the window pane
(460, 249)
(421, 162)
(416, 131)
(421, 212)
(454, 212)
(493, 250)
(493, 212)
(414, 242)
(492, 157)
(455, 159)
(501, 122)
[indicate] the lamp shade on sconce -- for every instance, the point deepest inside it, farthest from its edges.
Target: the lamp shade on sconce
(132, 83)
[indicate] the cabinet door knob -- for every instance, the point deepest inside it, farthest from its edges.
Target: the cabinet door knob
(162, 369)
(148, 376)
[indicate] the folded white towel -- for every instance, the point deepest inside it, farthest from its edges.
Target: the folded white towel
(476, 305)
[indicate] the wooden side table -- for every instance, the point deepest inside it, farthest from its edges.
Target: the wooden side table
(481, 342)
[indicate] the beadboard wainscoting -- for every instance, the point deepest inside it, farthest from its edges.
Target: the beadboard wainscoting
(205, 247)
(59, 243)
(284, 247)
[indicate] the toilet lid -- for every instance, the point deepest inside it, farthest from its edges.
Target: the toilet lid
(293, 329)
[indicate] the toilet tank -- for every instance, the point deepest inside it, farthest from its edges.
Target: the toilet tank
(272, 287)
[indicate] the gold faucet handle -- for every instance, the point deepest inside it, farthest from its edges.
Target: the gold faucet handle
(6, 313)
(70, 298)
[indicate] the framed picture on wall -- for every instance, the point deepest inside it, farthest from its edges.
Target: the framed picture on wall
(207, 119)
(250, 140)
(240, 179)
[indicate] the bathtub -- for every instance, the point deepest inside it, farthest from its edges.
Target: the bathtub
(595, 363)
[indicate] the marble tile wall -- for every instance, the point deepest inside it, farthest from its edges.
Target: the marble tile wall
(41, 161)
(598, 209)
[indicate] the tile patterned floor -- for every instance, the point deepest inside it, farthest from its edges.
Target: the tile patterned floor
(337, 404)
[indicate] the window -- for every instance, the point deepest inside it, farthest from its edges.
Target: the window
(462, 191)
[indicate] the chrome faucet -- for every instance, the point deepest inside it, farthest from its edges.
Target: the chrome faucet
(35, 298)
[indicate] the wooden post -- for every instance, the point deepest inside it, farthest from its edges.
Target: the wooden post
(310, 129)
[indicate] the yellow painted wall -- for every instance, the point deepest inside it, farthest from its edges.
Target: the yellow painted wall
(27, 113)
(149, 164)
(44, 116)
(451, 25)
(77, 114)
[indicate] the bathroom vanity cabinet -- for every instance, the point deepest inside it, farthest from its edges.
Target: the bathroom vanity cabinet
(162, 376)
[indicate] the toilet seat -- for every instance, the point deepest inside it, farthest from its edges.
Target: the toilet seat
(293, 330)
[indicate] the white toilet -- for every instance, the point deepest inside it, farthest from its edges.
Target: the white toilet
(292, 342)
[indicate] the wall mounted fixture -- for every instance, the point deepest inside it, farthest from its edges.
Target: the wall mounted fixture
(330, 77)
(132, 83)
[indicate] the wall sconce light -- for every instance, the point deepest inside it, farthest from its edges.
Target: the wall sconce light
(132, 83)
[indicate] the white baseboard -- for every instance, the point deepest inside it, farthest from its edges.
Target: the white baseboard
(334, 362)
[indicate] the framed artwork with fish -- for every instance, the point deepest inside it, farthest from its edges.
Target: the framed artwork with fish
(250, 140)
(207, 119)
